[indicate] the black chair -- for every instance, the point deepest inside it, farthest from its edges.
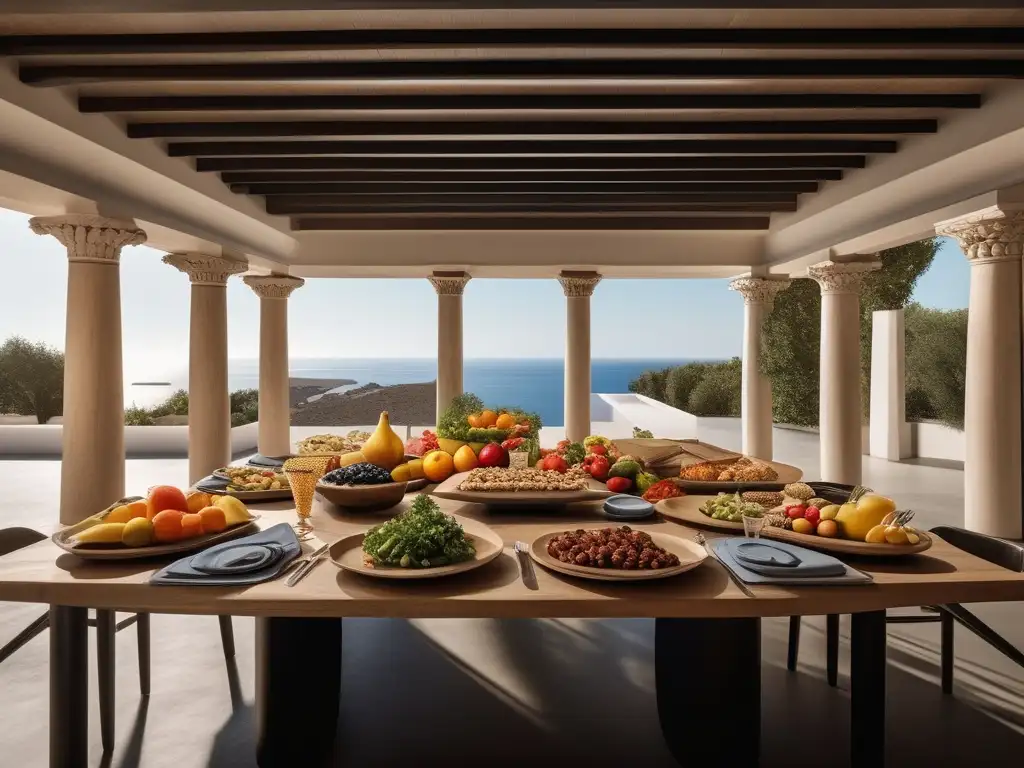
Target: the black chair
(1005, 554)
(107, 626)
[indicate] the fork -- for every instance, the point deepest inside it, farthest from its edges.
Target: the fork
(699, 538)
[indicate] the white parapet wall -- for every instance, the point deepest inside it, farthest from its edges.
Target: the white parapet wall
(932, 440)
(889, 434)
(139, 442)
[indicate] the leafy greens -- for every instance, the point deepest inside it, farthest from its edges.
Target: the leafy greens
(422, 537)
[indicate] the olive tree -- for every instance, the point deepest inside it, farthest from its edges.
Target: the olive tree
(31, 379)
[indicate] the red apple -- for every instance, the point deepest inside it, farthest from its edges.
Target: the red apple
(493, 455)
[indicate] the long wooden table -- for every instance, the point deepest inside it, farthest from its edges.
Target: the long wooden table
(707, 636)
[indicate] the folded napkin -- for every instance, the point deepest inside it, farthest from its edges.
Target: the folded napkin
(761, 561)
(266, 462)
(213, 484)
(249, 560)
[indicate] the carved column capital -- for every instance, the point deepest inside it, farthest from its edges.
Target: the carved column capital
(449, 283)
(841, 276)
(203, 269)
(273, 286)
(579, 285)
(992, 234)
(758, 290)
(88, 237)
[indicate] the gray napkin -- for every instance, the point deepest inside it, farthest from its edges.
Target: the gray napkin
(249, 560)
(724, 550)
(791, 561)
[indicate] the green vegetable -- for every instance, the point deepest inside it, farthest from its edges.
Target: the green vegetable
(482, 435)
(642, 433)
(731, 507)
(627, 466)
(644, 481)
(574, 454)
(422, 537)
(597, 440)
(452, 424)
(520, 416)
(530, 446)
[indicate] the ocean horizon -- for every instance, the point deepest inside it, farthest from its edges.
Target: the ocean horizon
(534, 384)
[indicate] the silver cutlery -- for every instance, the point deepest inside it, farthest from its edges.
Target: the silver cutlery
(699, 538)
(526, 565)
(309, 563)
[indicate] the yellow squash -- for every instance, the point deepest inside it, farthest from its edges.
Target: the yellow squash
(384, 448)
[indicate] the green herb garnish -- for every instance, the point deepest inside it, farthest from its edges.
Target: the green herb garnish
(422, 537)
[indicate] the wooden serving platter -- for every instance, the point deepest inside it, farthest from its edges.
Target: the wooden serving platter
(347, 554)
(690, 555)
(449, 489)
(686, 509)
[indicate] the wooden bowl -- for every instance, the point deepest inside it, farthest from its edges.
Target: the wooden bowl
(382, 496)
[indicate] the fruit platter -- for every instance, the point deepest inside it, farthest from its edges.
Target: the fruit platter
(616, 554)
(814, 515)
(167, 521)
(422, 542)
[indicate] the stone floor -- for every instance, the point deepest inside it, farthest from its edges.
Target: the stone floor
(509, 692)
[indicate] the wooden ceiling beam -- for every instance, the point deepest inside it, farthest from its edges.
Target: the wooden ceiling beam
(516, 187)
(506, 222)
(287, 128)
(311, 178)
(408, 197)
(462, 208)
(519, 101)
(532, 147)
(542, 68)
(942, 38)
(547, 163)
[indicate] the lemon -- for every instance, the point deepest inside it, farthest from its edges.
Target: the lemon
(138, 532)
(235, 511)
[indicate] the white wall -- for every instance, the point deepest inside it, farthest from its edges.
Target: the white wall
(45, 440)
(936, 441)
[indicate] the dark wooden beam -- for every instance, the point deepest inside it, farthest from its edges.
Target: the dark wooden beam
(513, 188)
(539, 101)
(531, 147)
(546, 223)
(490, 69)
(548, 164)
(941, 38)
(286, 128)
(472, 198)
(311, 178)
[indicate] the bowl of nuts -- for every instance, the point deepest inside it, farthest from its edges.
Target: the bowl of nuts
(504, 486)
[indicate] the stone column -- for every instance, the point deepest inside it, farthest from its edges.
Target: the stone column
(993, 241)
(839, 419)
(275, 408)
(209, 407)
(92, 465)
(449, 287)
(756, 405)
(578, 288)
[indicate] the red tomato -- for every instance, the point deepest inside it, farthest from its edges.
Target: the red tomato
(597, 448)
(555, 463)
(619, 484)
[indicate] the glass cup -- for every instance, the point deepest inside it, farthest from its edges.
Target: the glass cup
(752, 526)
(303, 483)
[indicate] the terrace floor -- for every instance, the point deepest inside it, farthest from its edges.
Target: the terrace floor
(504, 692)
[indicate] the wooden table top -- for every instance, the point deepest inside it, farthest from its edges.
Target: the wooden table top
(43, 573)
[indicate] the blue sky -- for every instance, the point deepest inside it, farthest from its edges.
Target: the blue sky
(396, 318)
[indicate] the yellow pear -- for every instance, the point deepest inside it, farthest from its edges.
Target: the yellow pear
(856, 519)
(235, 512)
(384, 448)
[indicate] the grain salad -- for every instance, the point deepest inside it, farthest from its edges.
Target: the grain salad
(507, 479)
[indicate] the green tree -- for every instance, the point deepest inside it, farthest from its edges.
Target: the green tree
(680, 383)
(936, 364)
(31, 379)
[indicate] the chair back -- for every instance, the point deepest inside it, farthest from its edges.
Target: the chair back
(13, 539)
(1006, 554)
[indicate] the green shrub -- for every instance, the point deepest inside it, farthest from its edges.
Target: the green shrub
(651, 384)
(243, 400)
(936, 364)
(175, 405)
(680, 383)
(718, 393)
(136, 416)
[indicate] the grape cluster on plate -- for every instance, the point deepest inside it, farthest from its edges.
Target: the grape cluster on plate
(362, 473)
(621, 548)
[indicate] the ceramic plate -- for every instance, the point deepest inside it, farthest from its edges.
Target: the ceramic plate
(686, 509)
(787, 474)
(120, 552)
(347, 554)
(690, 555)
(449, 489)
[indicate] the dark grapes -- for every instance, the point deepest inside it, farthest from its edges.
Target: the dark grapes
(362, 473)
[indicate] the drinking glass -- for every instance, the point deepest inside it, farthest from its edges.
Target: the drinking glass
(752, 526)
(303, 483)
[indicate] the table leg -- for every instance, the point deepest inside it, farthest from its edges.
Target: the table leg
(867, 684)
(69, 687)
(105, 665)
(704, 667)
(298, 691)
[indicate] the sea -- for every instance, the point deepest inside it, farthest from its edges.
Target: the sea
(532, 384)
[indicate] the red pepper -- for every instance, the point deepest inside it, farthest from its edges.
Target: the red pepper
(512, 443)
(596, 466)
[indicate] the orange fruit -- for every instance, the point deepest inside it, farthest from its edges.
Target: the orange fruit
(191, 525)
(488, 419)
(474, 420)
(163, 497)
(214, 519)
(438, 466)
(196, 500)
(139, 509)
(167, 525)
(465, 460)
(505, 421)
